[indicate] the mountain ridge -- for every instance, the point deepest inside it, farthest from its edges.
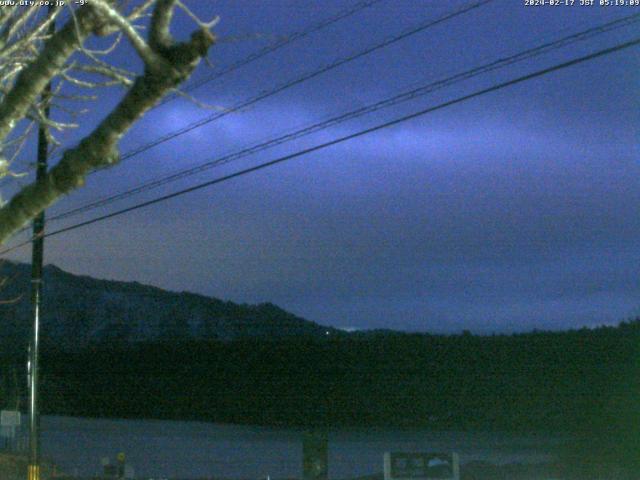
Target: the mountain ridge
(79, 310)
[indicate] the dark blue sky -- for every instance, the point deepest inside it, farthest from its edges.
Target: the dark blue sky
(513, 211)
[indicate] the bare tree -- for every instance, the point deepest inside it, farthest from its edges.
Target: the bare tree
(31, 58)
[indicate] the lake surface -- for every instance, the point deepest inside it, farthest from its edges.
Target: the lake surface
(197, 449)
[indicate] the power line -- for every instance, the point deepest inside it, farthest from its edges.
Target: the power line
(278, 45)
(345, 138)
(326, 68)
(308, 76)
(403, 97)
(272, 48)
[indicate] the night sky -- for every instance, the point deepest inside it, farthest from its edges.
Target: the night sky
(516, 210)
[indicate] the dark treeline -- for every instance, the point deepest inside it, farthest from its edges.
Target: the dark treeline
(543, 380)
(584, 381)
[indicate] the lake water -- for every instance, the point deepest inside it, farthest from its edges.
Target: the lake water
(197, 449)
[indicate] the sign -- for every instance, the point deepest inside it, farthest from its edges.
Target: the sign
(421, 466)
(10, 418)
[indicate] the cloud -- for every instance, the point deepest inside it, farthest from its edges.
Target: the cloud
(515, 210)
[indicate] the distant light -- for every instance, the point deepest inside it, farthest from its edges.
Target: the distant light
(327, 332)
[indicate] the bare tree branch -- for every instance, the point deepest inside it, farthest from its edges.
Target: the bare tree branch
(32, 80)
(148, 54)
(171, 64)
(160, 33)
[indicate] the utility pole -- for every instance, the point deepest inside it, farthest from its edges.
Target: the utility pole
(37, 256)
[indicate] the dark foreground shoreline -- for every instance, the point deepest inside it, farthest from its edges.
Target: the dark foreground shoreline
(14, 467)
